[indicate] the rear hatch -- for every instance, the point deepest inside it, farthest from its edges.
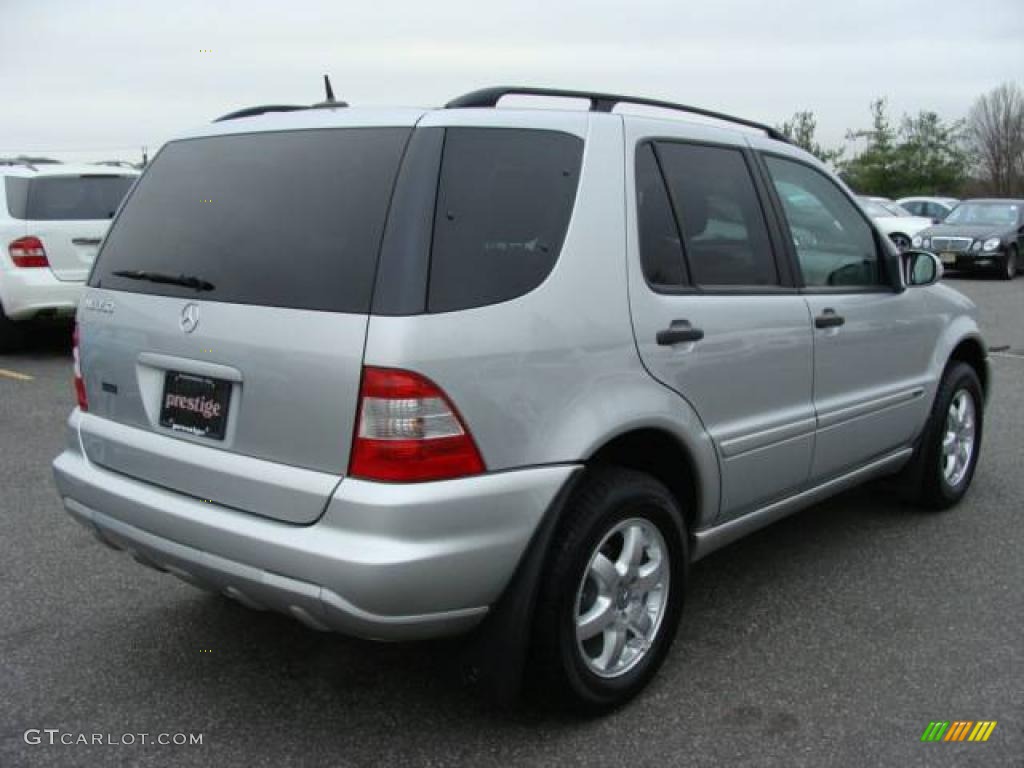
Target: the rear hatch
(70, 214)
(222, 333)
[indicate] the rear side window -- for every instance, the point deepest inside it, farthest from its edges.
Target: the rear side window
(504, 201)
(66, 198)
(287, 219)
(719, 212)
(661, 250)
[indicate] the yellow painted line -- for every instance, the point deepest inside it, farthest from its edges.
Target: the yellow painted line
(4, 373)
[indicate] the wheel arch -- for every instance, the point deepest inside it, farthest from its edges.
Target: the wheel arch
(659, 453)
(971, 351)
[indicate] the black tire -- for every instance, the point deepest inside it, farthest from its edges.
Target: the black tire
(1009, 264)
(934, 490)
(12, 334)
(608, 497)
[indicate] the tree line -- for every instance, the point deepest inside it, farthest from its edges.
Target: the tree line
(981, 154)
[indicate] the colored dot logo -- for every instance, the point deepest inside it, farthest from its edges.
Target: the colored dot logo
(205, 201)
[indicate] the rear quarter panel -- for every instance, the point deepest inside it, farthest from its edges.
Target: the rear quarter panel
(553, 375)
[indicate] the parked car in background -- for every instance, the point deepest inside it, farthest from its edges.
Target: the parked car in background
(896, 223)
(52, 219)
(979, 234)
(501, 369)
(934, 208)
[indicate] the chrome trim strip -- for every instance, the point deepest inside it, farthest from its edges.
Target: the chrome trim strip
(867, 407)
(710, 539)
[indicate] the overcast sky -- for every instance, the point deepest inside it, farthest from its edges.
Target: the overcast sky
(82, 79)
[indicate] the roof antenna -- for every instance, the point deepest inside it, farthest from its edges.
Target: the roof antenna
(330, 101)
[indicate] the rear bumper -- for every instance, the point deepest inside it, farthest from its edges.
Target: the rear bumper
(386, 561)
(25, 293)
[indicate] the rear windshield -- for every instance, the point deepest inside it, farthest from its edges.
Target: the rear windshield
(290, 219)
(66, 198)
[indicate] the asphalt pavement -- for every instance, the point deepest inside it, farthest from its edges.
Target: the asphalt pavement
(831, 638)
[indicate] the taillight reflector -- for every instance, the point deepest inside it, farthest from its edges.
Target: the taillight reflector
(409, 431)
(28, 252)
(83, 401)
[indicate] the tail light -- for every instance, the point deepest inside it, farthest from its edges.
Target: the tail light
(409, 431)
(83, 401)
(28, 252)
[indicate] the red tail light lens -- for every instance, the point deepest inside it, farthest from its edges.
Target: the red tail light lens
(28, 252)
(409, 431)
(83, 401)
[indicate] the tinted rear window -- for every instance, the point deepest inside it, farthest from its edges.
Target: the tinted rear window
(290, 219)
(503, 206)
(66, 198)
(720, 216)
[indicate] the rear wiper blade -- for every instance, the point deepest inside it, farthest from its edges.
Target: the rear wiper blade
(189, 281)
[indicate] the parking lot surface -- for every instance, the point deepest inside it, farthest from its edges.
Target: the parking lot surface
(831, 638)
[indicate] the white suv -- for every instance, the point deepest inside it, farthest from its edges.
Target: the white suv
(52, 219)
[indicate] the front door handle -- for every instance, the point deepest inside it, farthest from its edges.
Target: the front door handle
(829, 319)
(678, 332)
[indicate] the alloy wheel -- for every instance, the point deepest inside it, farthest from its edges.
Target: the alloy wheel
(622, 598)
(958, 439)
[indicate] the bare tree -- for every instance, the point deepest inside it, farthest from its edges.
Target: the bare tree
(996, 129)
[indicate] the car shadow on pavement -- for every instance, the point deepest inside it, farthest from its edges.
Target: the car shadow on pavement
(47, 341)
(260, 665)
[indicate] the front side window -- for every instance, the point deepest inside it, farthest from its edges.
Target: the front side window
(725, 236)
(834, 243)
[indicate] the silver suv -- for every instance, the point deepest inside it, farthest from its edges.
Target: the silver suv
(400, 373)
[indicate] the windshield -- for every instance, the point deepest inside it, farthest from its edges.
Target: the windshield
(875, 210)
(66, 198)
(895, 209)
(996, 214)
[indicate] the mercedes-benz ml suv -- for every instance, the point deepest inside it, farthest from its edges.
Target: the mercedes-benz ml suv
(403, 373)
(52, 219)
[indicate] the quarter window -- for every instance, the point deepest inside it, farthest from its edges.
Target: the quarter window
(725, 237)
(503, 206)
(834, 243)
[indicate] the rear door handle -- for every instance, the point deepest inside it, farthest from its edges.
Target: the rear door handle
(678, 332)
(86, 240)
(829, 319)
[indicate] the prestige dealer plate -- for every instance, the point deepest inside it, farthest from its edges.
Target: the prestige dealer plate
(197, 405)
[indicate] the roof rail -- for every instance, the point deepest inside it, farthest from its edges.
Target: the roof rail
(253, 111)
(328, 103)
(600, 102)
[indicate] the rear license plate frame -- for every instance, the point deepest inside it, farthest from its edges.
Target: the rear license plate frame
(195, 405)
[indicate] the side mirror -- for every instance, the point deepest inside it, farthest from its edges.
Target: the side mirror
(921, 268)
